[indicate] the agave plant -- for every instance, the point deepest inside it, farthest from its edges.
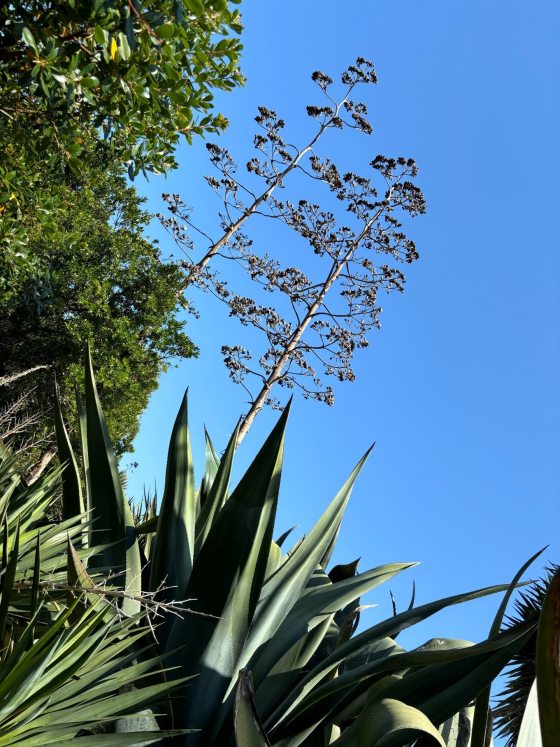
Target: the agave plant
(273, 640)
(65, 666)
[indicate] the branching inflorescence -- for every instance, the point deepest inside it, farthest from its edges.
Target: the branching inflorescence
(315, 323)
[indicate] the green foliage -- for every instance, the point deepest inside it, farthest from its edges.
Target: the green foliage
(92, 89)
(481, 725)
(65, 667)
(134, 76)
(107, 284)
(511, 702)
(529, 708)
(273, 639)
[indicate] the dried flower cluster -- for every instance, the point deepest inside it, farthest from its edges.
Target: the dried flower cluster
(359, 247)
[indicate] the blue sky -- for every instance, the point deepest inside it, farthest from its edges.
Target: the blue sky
(459, 389)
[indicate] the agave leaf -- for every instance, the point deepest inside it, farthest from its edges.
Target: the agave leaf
(174, 543)
(327, 555)
(456, 731)
(236, 563)
(307, 646)
(314, 606)
(548, 664)
(412, 596)
(149, 526)
(449, 669)
(345, 693)
(448, 687)
(283, 588)
(284, 536)
(410, 604)
(150, 538)
(327, 702)
(216, 490)
(113, 530)
(72, 498)
(481, 724)
(386, 628)
(343, 571)
(82, 425)
(274, 560)
(107, 499)
(288, 669)
(133, 585)
(390, 723)
(211, 465)
(358, 703)
(249, 731)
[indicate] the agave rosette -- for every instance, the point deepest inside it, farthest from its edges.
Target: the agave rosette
(271, 635)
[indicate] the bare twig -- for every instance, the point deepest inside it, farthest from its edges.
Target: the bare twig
(147, 600)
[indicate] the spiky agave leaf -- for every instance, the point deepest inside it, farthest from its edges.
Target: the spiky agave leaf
(226, 582)
(511, 702)
(437, 682)
(389, 722)
(112, 532)
(174, 540)
(249, 731)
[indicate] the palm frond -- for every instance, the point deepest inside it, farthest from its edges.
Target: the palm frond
(511, 702)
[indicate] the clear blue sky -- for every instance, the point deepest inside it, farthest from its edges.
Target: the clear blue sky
(460, 389)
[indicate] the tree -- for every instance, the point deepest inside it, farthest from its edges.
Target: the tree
(91, 90)
(319, 317)
(116, 82)
(142, 73)
(109, 285)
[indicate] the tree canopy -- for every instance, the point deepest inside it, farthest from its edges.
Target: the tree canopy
(108, 285)
(93, 92)
(142, 73)
(104, 82)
